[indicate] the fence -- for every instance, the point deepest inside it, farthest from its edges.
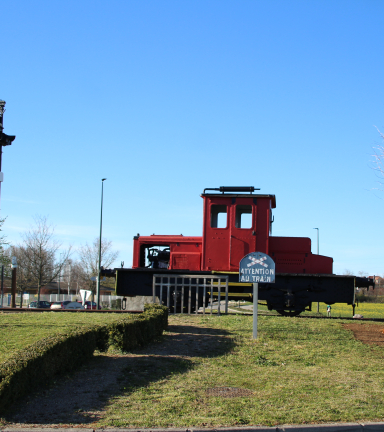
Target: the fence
(190, 290)
(106, 302)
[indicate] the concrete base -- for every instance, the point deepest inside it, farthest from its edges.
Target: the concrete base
(137, 303)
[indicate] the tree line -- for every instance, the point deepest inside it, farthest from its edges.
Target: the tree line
(41, 260)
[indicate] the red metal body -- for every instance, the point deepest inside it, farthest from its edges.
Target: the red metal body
(234, 224)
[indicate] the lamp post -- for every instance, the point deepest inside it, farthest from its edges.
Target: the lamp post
(2, 284)
(99, 269)
(317, 240)
(5, 140)
(13, 289)
(318, 305)
(58, 299)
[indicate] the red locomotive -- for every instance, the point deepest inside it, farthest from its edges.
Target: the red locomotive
(237, 221)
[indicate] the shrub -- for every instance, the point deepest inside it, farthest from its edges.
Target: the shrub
(130, 332)
(41, 361)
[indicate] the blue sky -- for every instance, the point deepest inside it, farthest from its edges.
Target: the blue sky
(166, 98)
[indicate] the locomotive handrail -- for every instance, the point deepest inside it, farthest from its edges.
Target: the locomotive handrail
(224, 189)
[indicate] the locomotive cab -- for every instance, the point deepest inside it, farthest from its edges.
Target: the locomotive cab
(235, 223)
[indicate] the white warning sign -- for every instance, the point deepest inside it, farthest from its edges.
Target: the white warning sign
(257, 267)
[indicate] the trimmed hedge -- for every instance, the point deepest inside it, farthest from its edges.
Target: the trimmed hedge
(41, 361)
(144, 328)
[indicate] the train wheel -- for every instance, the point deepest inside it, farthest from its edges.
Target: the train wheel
(288, 312)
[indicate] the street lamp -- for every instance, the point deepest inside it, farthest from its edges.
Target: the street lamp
(99, 269)
(13, 289)
(2, 284)
(317, 240)
(5, 139)
(61, 254)
(318, 304)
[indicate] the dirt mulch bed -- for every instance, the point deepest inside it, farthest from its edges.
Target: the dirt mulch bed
(370, 334)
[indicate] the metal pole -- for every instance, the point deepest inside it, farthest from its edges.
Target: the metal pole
(2, 110)
(13, 291)
(2, 284)
(69, 279)
(318, 304)
(317, 240)
(255, 304)
(226, 296)
(101, 226)
(58, 292)
(5, 140)
(61, 269)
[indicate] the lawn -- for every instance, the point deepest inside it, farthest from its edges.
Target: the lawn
(339, 310)
(298, 371)
(368, 310)
(17, 331)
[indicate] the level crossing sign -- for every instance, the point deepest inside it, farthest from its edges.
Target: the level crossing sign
(255, 268)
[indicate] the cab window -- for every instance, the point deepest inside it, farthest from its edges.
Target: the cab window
(243, 216)
(218, 216)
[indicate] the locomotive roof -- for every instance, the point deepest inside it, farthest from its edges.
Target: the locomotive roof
(240, 195)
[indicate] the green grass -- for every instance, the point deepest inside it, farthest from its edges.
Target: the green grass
(299, 372)
(338, 310)
(17, 331)
(368, 310)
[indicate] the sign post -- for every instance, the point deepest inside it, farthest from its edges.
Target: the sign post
(255, 308)
(13, 289)
(255, 268)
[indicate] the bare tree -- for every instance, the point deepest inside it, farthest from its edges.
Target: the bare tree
(39, 254)
(79, 279)
(89, 259)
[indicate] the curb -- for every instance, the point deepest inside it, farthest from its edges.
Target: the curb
(334, 427)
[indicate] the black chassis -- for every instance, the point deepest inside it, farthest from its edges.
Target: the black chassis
(293, 293)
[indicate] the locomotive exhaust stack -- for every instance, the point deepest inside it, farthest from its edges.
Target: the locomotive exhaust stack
(237, 221)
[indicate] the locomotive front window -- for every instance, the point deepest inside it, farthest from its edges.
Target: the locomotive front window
(218, 216)
(156, 256)
(243, 216)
